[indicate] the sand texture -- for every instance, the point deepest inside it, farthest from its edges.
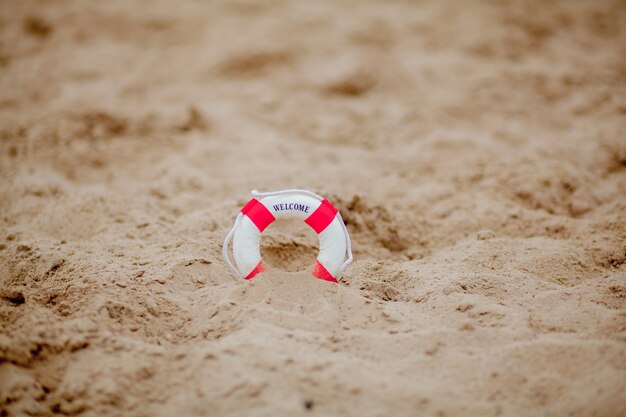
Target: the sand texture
(477, 152)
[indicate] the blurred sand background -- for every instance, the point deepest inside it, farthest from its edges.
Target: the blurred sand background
(476, 149)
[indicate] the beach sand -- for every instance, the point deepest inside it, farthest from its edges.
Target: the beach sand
(476, 150)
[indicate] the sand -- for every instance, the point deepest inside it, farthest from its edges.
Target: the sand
(476, 149)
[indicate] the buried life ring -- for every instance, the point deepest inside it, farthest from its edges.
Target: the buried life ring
(264, 208)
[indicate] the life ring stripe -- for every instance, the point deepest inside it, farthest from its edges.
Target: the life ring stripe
(260, 267)
(322, 217)
(320, 272)
(258, 213)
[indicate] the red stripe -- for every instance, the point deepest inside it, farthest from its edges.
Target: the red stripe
(322, 273)
(258, 213)
(322, 217)
(259, 268)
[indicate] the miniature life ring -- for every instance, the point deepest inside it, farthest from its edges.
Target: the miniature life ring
(264, 208)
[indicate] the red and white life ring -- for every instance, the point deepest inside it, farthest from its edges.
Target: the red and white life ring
(316, 211)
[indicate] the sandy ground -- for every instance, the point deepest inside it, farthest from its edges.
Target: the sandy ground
(476, 149)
